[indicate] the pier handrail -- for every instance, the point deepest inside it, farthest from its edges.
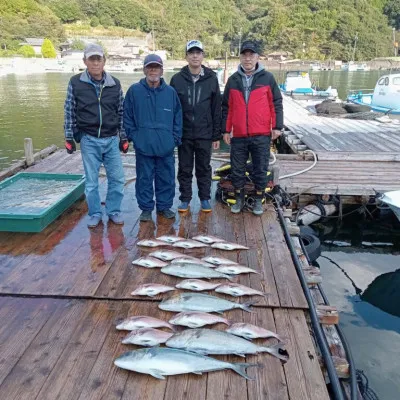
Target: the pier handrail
(319, 335)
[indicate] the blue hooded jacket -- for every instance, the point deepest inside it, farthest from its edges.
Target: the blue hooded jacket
(153, 118)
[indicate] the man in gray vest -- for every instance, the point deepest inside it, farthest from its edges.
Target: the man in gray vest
(93, 114)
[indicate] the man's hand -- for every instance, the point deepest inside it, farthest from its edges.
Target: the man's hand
(275, 134)
(124, 145)
(216, 145)
(227, 138)
(70, 145)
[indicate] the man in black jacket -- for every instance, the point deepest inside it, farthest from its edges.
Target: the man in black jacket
(198, 90)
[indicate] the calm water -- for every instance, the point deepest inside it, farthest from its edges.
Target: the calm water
(365, 288)
(32, 106)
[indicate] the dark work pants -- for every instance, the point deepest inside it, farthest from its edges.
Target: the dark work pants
(197, 153)
(258, 149)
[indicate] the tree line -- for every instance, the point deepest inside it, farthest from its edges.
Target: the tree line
(309, 29)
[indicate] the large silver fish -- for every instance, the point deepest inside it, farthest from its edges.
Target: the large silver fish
(216, 260)
(142, 321)
(151, 243)
(193, 271)
(160, 362)
(196, 319)
(235, 269)
(147, 337)
(211, 341)
(196, 284)
(149, 262)
(236, 290)
(228, 246)
(151, 289)
(200, 302)
(166, 255)
(208, 239)
(170, 238)
(249, 331)
(191, 260)
(189, 244)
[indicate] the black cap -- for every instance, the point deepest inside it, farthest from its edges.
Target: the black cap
(248, 45)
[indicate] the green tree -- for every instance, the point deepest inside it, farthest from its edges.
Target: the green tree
(48, 50)
(392, 10)
(94, 22)
(78, 45)
(26, 51)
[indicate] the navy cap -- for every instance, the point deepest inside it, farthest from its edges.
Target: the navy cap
(248, 45)
(152, 59)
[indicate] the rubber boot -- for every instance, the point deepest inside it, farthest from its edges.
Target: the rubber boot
(239, 197)
(258, 207)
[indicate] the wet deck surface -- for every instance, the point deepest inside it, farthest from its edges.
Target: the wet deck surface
(64, 346)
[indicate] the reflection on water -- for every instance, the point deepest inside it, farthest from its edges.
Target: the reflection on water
(363, 280)
(32, 106)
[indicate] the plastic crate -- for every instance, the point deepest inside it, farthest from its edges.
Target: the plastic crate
(18, 218)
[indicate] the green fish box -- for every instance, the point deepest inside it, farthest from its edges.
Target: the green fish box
(30, 201)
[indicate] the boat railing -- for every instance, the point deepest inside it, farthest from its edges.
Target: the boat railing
(364, 91)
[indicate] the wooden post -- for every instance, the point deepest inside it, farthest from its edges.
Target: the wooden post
(226, 74)
(28, 147)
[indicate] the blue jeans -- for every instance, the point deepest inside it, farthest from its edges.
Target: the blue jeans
(96, 151)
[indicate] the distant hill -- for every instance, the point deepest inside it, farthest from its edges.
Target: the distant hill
(318, 29)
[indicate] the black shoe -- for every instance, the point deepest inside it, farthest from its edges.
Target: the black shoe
(239, 197)
(166, 214)
(145, 216)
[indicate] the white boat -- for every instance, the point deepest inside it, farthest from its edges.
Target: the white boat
(384, 98)
(392, 199)
(315, 67)
(298, 83)
(352, 67)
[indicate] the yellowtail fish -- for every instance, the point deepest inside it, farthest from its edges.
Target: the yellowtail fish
(208, 239)
(147, 337)
(218, 260)
(142, 321)
(196, 284)
(151, 243)
(249, 331)
(228, 246)
(149, 262)
(193, 271)
(151, 289)
(170, 238)
(191, 260)
(196, 319)
(160, 362)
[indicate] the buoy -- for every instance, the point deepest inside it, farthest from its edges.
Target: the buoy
(312, 213)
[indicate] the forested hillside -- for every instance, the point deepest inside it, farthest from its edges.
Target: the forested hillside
(313, 29)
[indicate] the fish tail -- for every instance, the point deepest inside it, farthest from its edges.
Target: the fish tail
(278, 351)
(246, 306)
(231, 278)
(240, 368)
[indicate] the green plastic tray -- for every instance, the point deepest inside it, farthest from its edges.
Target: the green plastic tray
(59, 190)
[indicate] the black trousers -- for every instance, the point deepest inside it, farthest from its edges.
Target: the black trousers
(194, 153)
(258, 149)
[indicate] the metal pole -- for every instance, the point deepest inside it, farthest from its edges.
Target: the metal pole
(394, 41)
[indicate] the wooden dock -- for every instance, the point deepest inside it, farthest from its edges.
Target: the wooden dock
(63, 291)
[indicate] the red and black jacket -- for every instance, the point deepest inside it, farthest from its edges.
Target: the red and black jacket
(263, 111)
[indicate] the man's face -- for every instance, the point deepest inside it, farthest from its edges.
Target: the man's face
(95, 66)
(194, 58)
(153, 72)
(248, 60)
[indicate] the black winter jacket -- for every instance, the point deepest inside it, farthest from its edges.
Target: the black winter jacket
(201, 104)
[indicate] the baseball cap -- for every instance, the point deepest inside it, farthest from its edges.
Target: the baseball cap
(93, 49)
(152, 59)
(194, 44)
(248, 45)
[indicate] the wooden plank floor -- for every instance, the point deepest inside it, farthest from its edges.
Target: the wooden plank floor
(64, 349)
(363, 178)
(61, 341)
(340, 134)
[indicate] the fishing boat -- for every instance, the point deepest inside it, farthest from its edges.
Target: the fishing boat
(392, 199)
(298, 84)
(315, 67)
(384, 98)
(352, 67)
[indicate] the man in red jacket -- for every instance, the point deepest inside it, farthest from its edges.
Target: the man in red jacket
(252, 114)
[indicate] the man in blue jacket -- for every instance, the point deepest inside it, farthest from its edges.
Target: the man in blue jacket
(153, 122)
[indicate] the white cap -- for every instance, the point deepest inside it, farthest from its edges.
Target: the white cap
(191, 44)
